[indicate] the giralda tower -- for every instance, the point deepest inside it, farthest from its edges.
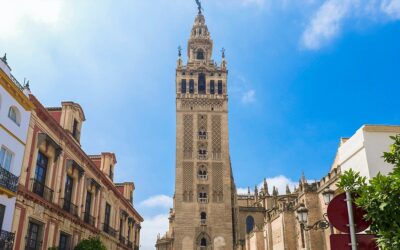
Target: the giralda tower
(202, 217)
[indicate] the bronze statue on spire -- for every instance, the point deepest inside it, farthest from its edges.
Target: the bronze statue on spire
(199, 6)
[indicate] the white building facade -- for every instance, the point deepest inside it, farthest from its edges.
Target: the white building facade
(15, 112)
(364, 150)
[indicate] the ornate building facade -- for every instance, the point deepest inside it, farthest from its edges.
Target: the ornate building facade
(65, 195)
(15, 109)
(202, 217)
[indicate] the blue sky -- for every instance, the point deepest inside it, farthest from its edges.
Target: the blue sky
(302, 74)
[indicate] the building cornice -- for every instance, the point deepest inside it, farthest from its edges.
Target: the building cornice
(15, 92)
(51, 123)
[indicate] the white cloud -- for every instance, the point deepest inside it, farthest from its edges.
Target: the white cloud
(326, 23)
(151, 227)
(279, 182)
(158, 201)
(249, 96)
(19, 13)
(391, 8)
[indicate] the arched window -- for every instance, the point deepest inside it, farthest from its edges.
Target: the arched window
(202, 173)
(203, 218)
(202, 83)
(249, 224)
(200, 54)
(191, 86)
(203, 242)
(14, 115)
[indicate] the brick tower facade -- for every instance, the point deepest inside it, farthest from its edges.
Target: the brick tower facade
(202, 217)
(204, 183)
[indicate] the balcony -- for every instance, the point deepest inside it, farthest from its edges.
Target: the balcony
(202, 135)
(8, 180)
(87, 218)
(202, 177)
(202, 156)
(122, 239)
(6, 240)
(70, 207)
(203, 200)
(109, 230)
(42, 190)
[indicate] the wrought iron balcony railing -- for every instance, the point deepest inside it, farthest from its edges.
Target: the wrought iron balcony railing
(109, 230)
(202, 177)
(8, 180)
(6, 240)
(122, 239)
(70, 207)
(42, 190)
(87, 218)
(33, 244)
(203, 200)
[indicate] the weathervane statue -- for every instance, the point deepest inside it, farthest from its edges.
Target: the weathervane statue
(199, 6)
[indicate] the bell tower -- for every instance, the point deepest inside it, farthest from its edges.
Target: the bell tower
(202, 217)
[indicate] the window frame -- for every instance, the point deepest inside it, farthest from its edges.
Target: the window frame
(16, 113)
(4, 153)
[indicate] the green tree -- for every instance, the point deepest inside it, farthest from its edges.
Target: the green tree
(380, 198)
(92, 243)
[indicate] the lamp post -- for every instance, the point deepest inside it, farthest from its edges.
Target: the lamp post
(302, 214)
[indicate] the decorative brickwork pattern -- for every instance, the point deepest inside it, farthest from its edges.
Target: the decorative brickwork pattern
(216, 137)
(188, 181)
(188, 136)
(202, 104)
(217, 181)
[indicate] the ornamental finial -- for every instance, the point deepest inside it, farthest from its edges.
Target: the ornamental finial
(5, 57)
(223, 52)
(179, 51)
(199, 6)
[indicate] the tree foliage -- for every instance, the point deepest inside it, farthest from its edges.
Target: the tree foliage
(380, 198)
(92, 243)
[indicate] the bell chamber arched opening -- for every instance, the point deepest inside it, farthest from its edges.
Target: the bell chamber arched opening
(202, 83)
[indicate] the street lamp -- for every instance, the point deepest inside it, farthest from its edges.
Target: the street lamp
(302, 217)
(302, 214)
(327, 194)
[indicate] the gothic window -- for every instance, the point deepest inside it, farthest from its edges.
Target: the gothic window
(183, 86)
(202, 173)
(249, 224)
(202, 83)
(202, 152)
(200, 54)
(203, 218)
(212, 87)
(203, 242)
(191, 86)
(183, 73)
(219, 87)
(203, 197)
(202, 133)
(14, 115)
